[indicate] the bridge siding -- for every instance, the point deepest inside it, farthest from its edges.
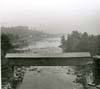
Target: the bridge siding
(49, 61)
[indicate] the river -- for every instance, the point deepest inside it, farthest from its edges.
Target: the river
(49, 77)
(50, 45)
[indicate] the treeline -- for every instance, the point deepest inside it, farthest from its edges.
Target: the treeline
(81, 42)
(21, 33)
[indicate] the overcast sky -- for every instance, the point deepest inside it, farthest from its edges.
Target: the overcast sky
(52, 15)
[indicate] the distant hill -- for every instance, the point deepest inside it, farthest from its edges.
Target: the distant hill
(24, 35)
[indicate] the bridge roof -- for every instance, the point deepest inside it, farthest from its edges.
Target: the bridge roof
(56, 55)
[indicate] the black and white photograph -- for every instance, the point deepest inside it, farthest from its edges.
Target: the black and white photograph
(50, 44)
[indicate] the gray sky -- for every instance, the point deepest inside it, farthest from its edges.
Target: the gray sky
(52, 15)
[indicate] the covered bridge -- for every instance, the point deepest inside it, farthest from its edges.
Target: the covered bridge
(57, 59)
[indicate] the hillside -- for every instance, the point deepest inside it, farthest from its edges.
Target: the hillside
(24, 35)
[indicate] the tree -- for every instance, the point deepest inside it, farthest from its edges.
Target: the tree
(63, 42)
(92, 45)
(68, 44)
(5, 44)
(5, 47)
(98, 44)
(75, 40)
(83, 45)
(71, 44)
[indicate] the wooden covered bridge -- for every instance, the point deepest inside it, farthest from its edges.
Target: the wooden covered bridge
(62, 59)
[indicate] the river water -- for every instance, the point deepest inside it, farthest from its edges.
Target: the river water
(50, 45)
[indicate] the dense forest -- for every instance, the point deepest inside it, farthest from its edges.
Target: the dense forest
(81, 42)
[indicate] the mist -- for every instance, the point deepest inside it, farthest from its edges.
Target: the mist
(53, 16)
